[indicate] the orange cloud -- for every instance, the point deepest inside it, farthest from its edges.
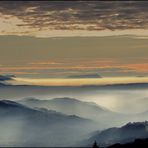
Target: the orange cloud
(141, 67)
(79, 64)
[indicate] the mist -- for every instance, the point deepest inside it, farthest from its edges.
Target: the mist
(46, 116)
(128, 101)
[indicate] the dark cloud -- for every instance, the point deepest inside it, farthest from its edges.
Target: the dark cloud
(85, 76)
(75, 15)
(6, 77)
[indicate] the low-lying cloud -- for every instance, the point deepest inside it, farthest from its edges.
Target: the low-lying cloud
(6, 77)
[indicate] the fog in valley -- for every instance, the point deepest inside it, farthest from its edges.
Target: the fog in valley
(46, 116)
(126, 101)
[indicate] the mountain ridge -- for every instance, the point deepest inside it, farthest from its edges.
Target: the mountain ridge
(124, 134)
(37, 127)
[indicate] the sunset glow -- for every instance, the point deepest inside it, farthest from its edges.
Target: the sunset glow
(81, 82)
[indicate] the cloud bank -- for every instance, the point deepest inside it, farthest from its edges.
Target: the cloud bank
(73, 15)
(6, 77)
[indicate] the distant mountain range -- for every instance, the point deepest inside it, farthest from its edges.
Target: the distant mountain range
(90, 110)
(66, 105)
(124, 134)
(8, 91)
(28, 123)
(71, 106)
(24, 126)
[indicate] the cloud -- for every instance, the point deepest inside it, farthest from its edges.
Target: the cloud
(80, 67)
(76, 15)
(6, 77)
(85, 76)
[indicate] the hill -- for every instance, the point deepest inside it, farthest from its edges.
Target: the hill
(124, 134)
(71, 106)
(138, 143)
(24, 126)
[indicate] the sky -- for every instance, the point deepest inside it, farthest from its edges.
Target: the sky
(61, 39)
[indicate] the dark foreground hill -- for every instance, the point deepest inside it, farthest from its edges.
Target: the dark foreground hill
(124, 134)
(138, 143)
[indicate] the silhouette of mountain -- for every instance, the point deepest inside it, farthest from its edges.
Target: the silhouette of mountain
(124, 134)
(72, 106)
(138, 143)
(6, 77)
(65, 105)
(8, 103)
(24, 126)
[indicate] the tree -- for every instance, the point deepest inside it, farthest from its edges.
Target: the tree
(95, 145)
